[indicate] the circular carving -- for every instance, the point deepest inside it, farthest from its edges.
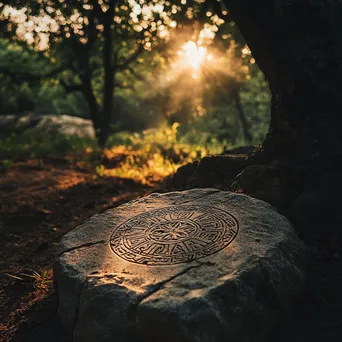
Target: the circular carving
(174, 235)
(172, 231)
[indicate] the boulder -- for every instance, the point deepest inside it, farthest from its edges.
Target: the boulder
(217, 171)
(63, 124)
(269, 183)
(201, 265)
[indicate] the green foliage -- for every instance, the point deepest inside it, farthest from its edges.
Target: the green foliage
(22, 89)
(168, 141)
(90, 47)
(153, 85)
(256, 100)
(51, 98)
(145, 157)
(217, 128)
(5, 165)
(100, 170)
(15, 94)
(120, 138)
(33, 144)
(152, 154)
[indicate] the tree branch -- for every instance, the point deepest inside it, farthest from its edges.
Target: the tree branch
(123, 65)
(138, 76)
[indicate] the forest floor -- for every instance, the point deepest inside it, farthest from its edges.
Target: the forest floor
(41, 201)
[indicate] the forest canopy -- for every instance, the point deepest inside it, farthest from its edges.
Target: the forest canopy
(133, 65)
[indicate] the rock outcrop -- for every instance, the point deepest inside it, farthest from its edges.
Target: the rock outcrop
(202, 265)
(63, 124)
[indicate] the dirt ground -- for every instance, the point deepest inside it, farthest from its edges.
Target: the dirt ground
(40, 202)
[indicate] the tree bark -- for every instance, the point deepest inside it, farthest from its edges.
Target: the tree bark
(298, 46)
(88, 93)
(109, 72)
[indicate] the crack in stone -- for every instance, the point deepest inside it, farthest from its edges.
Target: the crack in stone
(78, 308)
(88, 244)
(155, 288)
(206, 263)
(132, 313)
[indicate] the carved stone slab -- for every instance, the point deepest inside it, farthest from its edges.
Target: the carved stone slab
(191, 266)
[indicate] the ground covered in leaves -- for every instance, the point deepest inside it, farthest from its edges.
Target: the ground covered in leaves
(41, 200)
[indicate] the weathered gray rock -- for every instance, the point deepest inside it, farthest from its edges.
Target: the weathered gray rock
(192, 266)
(63, 124)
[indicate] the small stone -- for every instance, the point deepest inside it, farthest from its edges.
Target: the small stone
(191, 266)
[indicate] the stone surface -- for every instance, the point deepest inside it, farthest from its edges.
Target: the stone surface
(63, 124)
(192, 266)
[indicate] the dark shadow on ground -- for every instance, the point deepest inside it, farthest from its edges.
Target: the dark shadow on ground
(43, 323)
(38, 205)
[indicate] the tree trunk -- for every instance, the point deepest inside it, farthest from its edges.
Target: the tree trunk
(94, 109)
(298, 46)
(242, 116)
(109, 72)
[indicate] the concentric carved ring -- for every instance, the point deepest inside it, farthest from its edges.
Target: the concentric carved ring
(173, 235)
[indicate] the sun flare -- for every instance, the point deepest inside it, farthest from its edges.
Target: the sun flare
(193, 54)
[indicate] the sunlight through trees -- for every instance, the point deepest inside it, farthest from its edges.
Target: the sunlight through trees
(111, 60)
